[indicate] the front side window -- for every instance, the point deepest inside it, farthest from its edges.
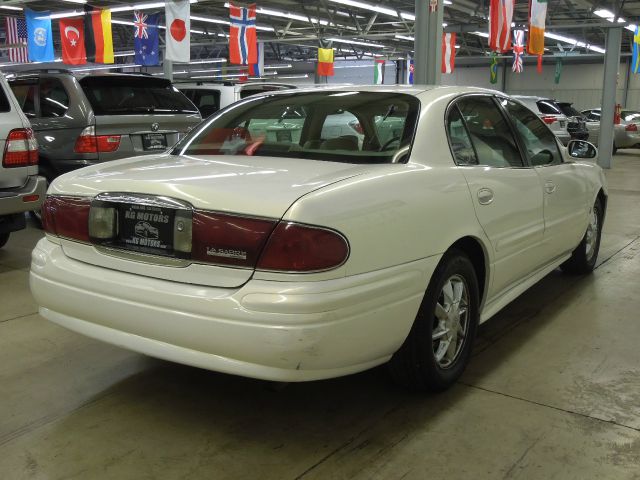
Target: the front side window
(349, 126)
(54, 101)
(490, 133)
(539, 142)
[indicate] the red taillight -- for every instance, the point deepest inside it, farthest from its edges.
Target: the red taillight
(228, 239)
(89, 142)
(67, 217)
(549, 120)
(632, 127)
(20, 149)
(300, 248)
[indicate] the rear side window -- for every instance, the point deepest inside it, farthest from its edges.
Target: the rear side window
(25, 93)
(4, 101)
(548, 107)
(459, 139)
(115, 95)
(54, 101)
(490, 133)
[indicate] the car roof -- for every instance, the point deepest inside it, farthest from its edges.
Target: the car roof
(415, 90)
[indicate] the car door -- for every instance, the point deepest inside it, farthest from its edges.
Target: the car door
(505, 193)
(563, 188)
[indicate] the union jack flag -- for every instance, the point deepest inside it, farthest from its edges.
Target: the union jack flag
(140, 23)
(243, 43)
(16, 30)
(518, 51)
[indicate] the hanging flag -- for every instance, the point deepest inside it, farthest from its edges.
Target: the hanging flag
(178, 40)
(493, 68)
(97, 33)
(243, 42)
(325, 62)
(145, 38)
(72, 41)
(378, 72)
(410, 69)
(539, 67)
(500, 15)
(16, 34)
(518, 51)
(537, 17)
(558, 72)
(635, 65)
(255, 69)
(448, 52)
(39, 37)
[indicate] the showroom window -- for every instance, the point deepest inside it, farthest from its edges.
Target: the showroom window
(540, 143)
(490, 133)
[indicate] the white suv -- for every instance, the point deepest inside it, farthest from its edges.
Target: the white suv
(550, 113)
(209, 97)
(21, 189)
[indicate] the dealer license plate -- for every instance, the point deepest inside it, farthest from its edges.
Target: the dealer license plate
(146, 229)
(154, 141)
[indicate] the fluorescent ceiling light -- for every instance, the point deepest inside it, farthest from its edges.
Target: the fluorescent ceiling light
(291, 77)
(354, 42)
(573, 41)
(213, 60)
(481, 34)
(405, 37)
(380, 9)
(609, 15)
(218, 21)
(142, 6)
(106, 67)
(76, 1)
(290, 16)
(11, 7)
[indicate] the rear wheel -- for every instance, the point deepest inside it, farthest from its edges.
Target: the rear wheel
(438, 348)
(583, 259)
(4, 238)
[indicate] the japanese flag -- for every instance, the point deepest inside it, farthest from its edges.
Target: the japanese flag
(177, 41)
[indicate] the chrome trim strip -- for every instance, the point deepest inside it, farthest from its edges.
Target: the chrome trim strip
(143, 199)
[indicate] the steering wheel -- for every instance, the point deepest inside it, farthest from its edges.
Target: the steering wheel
(388, 143)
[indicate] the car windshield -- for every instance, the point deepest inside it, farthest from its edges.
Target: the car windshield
(129, 95)
(345, 126)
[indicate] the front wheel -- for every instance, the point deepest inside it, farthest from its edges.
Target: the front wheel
(438, 348)
(583, 258)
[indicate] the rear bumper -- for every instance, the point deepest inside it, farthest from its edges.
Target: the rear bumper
(14, 200)
(281, 331)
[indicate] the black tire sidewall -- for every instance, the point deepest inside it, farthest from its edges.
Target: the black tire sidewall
(4, 238)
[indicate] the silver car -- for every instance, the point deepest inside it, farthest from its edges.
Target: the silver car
(550, 113)
(626, 134)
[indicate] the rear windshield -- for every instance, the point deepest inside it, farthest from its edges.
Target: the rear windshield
(252, 90)
(349, 127)
(134, 95)
(630, 115)
(547, 107)
(568, 110)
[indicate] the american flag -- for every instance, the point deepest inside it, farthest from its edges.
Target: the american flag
(16, 29)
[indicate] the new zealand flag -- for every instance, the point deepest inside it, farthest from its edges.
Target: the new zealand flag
(146, 38)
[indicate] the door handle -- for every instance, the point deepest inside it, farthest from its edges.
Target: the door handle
(485, 196)
(550, 187)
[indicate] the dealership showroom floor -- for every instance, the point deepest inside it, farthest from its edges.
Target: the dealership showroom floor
(553, 392)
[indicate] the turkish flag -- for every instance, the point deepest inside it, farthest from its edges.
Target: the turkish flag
(72, 40)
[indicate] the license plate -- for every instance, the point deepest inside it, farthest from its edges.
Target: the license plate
(154, 141)
(146, 229)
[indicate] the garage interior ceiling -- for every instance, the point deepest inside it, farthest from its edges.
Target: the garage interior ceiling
(292, 30)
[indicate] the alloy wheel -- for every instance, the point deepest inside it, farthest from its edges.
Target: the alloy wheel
(451, 321)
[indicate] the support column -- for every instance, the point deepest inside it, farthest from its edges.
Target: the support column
(428, 43)
(611, 65)
(167, 68)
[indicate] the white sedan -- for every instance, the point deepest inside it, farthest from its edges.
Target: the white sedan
(309, 256)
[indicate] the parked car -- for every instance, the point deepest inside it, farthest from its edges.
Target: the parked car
(550, 113)
(625, 134)
(210, 97)
(88, 119)
(21, 189)
(576, 121)
(301, 260)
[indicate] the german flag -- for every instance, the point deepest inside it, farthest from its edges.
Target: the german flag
(97, 34)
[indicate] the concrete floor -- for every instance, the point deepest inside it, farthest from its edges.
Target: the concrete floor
(553, 392)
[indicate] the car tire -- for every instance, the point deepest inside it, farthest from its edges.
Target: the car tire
(4, 238)
(583, 258)
(426, 360)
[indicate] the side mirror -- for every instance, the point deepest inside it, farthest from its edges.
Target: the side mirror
(581, 149)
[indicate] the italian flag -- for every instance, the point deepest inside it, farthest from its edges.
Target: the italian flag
(537, 17)
(378, 73)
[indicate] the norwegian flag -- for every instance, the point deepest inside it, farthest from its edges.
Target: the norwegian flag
(16, 29)
(243, 43)
(518, 51)
(500, 15)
